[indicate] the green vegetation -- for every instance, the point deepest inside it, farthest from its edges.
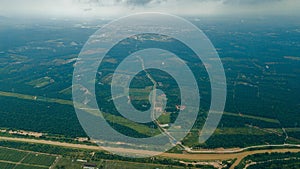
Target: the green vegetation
(270, 120)
(67, 163)
(43, 148)
(41, 82)
(279, 164)
(51, 118)
(28, 167)
(69, 157)
(14, 158)
(11, 155)
(243, 135)
(39, 159)
(262, 81)
(238, 140)
(37, 98)
(271, 160)
(6, 165)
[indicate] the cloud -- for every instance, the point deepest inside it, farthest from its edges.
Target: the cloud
(146, 2)
(120, 2)
(115, 8)
(249, 2)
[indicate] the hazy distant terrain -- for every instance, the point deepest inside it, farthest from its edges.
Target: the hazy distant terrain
(260, 56)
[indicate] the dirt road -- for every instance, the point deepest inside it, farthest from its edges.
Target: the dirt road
(205, 156)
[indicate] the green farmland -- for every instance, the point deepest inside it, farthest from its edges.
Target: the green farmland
(18, 159)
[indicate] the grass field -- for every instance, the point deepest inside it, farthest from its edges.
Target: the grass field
(253, 117)
(37, 98)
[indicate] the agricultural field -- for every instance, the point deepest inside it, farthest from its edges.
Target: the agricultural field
(20, 159)
(39, 159)
(11, 155)
(108, 164)
(74, 158)
(6, 165)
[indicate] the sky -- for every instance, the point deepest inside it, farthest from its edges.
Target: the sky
(117, 8)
